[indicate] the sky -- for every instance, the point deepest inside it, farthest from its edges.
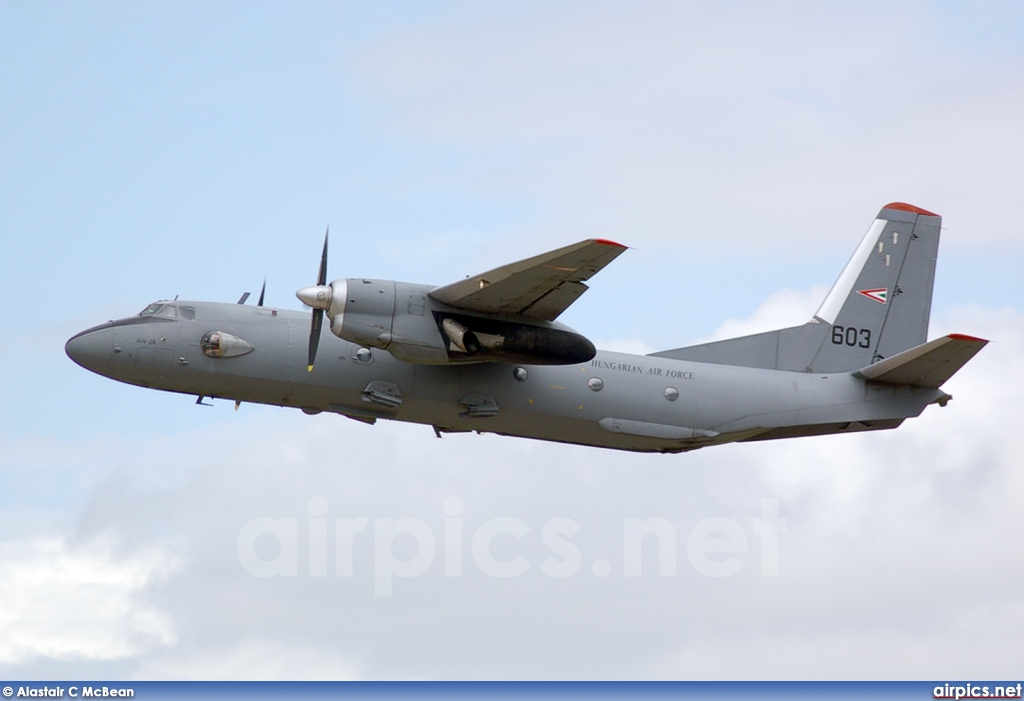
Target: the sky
(739, 149)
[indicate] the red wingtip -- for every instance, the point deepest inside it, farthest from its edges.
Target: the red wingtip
(904, 207)
(607, 242)
(965, 337)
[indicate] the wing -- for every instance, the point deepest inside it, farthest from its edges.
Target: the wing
(541, 287)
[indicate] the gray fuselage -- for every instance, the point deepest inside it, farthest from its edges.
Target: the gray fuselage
(616, 400)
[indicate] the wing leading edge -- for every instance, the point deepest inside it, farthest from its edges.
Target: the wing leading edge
(541, 287)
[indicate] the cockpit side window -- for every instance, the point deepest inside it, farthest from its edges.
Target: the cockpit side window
(162, 310)
(187, 313)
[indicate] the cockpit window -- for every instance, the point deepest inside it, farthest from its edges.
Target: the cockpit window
(162, 310)
(187, 313)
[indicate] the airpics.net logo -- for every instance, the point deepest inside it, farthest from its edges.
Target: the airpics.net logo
(407, 547)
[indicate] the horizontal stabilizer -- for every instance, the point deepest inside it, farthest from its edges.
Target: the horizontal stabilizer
(927, 365)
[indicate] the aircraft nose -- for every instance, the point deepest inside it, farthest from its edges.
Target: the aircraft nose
(91, 348)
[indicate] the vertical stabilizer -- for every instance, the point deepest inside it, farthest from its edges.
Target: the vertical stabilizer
(879, 306)
(881, 303)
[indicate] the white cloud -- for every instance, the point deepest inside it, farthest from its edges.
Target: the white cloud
(65, 602)
(683, 124)
(636, 346)
(262, 660)
(784, 308)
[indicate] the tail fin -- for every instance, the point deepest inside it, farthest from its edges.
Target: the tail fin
(879, 306)
(881, 302)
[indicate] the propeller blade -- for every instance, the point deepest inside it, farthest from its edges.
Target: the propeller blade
(322, 277)
(245, 296)
(263, 291)
(319, 298)
(314, 337)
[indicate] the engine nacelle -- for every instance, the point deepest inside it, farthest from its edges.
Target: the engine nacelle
(401, 319)
(387, 315)
(362, 311)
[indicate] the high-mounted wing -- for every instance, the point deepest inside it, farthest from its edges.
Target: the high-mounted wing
(541, 287)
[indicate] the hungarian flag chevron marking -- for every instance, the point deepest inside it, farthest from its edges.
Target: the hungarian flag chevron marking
(880, 294)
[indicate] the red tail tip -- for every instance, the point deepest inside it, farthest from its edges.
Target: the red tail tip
(904, 207)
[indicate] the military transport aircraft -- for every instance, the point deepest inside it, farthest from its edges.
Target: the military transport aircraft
(485, 354)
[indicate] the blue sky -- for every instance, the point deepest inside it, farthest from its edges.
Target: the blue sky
(740, 149)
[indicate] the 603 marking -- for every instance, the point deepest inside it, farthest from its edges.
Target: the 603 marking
(851, 336)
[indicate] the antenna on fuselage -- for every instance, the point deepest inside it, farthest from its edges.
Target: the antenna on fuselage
(245, 295)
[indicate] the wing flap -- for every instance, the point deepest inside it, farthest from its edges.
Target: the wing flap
(927, 365)
(541, 287)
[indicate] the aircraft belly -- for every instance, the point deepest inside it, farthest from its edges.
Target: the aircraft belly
(818, 400)
(553, 403)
